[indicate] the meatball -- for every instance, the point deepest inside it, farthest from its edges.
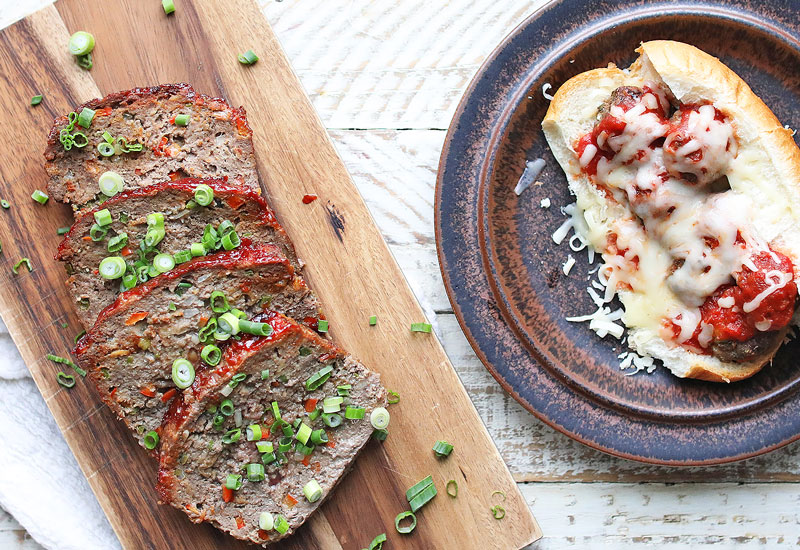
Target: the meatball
(624, 96)
(700, 145)
(757, 347)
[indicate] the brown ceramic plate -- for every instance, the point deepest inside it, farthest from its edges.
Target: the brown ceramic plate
(503, 271)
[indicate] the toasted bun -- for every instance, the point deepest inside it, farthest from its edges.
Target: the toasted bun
(766, 171)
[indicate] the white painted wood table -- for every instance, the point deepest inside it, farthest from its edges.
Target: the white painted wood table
(386, 78)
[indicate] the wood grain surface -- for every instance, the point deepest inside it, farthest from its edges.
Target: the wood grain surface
(349, 265)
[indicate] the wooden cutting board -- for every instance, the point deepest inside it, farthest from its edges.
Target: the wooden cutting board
(348, 264)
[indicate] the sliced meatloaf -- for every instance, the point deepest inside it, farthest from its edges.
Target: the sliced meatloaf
(129, 353)
(263, 380)
(216, 141)
(183, 226)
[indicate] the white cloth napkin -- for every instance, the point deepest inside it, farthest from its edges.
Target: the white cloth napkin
(40, 482)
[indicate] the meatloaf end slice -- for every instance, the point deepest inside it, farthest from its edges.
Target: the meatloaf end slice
(248, 211)
(216, 141)
(130, 351)
(198, 453)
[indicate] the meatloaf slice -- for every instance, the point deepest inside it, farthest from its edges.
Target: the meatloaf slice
(129, 352)
(248, 211)
(201, 447)
(216, 141)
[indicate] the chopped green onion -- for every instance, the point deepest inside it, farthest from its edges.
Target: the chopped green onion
(373, 321)
(322, 325)
(112, 267)
(312, 491)
(105, 149)
(108, 137)
(79, 140)
(152, 272)
(103, 217)
(319, 437)
(452, 488)
(498, 512)
(304, 449)
(248, 57)
(254, 432)
(207, 332)
(239, 313)
(423, 497)
(264, 446)
(303, 433)
(182, 373)
(172, 306)
(379, 418)
(197, 249)
(118, 242)
(233, 482)
(285, 444)
(26, 262)
(219, 420)
(62, 230)
(85, 117)
(304, 351)
(319, 378)
(66, 380)
(39, 197)
(377, 542)
(418, 487)
(97, 233)
(151, 440)
(129, 281)
(225, 227)
(420, 327)
(4, 203)
(394, 397)
(84, 61)
(65, 361)
(255, 472)
(217, 307)
(35, 100)
(155, 219)
(344, 390)
(211, 355)
(236, 379)
(332, 404)
(232, 436)
(79, 335)
(181, 289)
(230, 240)
(257, 329)
(407, 528)
(228, 323)
(81, 43)
(268, 458)
(332, 420)
(110, 183)
(226, 407)
(169, 7)
(442, 449)
(380, 435)
(281, 525)
(265, 374)
(182, 256)
(182, 120)
(354, 413)
(265, 520)
(203, 194)
(275, 411)
(163, 262)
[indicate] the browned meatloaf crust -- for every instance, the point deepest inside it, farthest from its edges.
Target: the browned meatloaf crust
(90, 293)
(217, 141)
(194, 461)
(130, 350)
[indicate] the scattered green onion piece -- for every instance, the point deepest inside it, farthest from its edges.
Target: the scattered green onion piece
(373, 321)
(281, 525)
(211, 355)
(79, 335)
(155, 219)
(173, 307)
(248, 58)
(182, 256)
(226, 407)
(313, 415)
(394, 397)
(65, 361)
(377, 542)
(322, 325)
(265, 520)
(285, 444)
(275, 411)
(4, 203)
(84, 61)
(169, 7)
(420, 327)
(379, 418)
(498, 512)
(407, 528)
(303, 433)
(105, 149)
(66, 380)
(197, 249)
(26, 262)
(232, 436)
(254, 432)
(129, 281)
(304, 449)
(257, 329)
(154, 236)
(268, 458)
(423, 497)
(319, 378)
(239, 313)
(108, 137)
(417, 488)
(35, 100)
(233, 482)
(151, 440)
(182, 373)
(97, 233)
(452, 488)
(85, 117)
(39, 197)
(332, 420)
(153, 272)
(287, 431)
(142, 273)
(183, 120)
(62, 231)
(332, 404)
(344, 390)
(442, 449)
(219, 420)
(380, 435)
(264, 446)
(79, 140)
(203, 194)
(110, 183)
(265, 374)
(230, 240)
(354, 413)
(81, 43)
(217, 307)
(304, 351)
(207, 332)
(112, 267)
(164, 262)
(225, 227)
(255, 472)
(103, 217)
(312, 491)
(319, 437)
(228, 323)
(118, 242)
(236, 379)
(181, 289)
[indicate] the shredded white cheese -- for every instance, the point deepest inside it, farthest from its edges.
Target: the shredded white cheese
(568, 264)
(546, 87)
(545, 203)
(532, 170)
